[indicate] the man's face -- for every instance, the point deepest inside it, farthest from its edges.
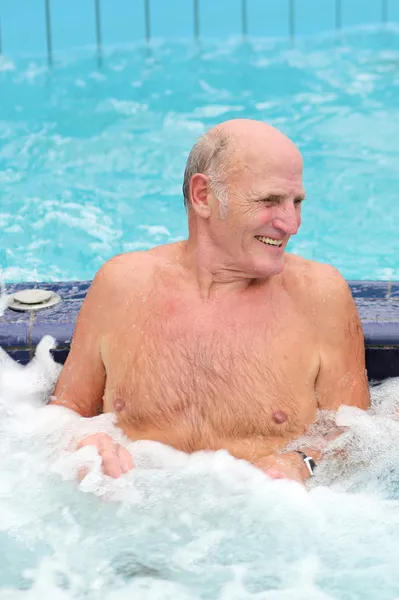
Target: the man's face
(264, 210)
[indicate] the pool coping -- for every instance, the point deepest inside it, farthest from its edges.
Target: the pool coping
(377, 303)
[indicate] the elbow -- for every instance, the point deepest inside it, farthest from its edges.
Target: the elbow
(69, 404)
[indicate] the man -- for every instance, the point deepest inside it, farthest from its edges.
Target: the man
(223, 340)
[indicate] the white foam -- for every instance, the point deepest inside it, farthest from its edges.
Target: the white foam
(188, 526)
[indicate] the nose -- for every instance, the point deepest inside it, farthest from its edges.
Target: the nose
(287, 218)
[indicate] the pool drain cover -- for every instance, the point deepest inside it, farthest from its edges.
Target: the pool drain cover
(33, 299)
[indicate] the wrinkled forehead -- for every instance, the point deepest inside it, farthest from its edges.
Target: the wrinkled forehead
(259, 168)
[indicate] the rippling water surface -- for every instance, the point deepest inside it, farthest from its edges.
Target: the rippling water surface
(189, 527)
(91, 162)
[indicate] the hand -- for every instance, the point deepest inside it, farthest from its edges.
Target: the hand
(284, 466)
(116, 459)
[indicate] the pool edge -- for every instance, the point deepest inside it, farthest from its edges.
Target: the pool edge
(377, 303)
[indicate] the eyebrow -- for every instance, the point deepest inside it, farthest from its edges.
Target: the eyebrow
(275, 198)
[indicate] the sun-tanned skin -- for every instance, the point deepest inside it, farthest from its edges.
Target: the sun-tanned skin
(220, 341)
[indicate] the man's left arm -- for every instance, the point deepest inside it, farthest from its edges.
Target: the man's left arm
(342, 376)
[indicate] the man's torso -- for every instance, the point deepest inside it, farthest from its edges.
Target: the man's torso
(236, 372)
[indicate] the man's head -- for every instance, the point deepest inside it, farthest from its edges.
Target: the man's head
(243, 190)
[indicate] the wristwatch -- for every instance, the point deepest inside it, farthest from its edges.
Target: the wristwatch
(309, 462)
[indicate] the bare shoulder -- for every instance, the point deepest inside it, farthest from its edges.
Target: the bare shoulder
(322, 292)
(317, 283)
(121, 269)
(116, 290)
(131, 272)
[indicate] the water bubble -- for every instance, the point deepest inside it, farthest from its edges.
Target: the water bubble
(182, 526)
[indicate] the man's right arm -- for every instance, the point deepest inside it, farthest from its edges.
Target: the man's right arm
(81, 384)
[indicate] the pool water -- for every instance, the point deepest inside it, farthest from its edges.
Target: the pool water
(91, 161)
(189, 527)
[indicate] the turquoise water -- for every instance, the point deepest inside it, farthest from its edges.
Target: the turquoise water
(91, 161)
(189, 527)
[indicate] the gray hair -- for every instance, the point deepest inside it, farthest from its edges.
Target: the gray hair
(209, 157)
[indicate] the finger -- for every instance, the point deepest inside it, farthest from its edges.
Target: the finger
(82, 443)
(275, 473)
(82, 473)
(104, 442)
(125, 459)
(100, 440)
(111, 464)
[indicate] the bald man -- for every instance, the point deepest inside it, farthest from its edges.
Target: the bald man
(223, 340)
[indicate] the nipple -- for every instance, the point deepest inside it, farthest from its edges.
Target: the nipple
(119, 405)
(279, 417)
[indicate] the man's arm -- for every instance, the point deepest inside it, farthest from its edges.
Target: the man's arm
(80, 386)
(342, 377)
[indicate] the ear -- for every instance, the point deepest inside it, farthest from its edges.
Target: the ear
(200, 194)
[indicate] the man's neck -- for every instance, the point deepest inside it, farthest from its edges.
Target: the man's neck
(211, 271)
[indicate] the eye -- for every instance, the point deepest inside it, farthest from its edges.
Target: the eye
(298, 201)
(270, 200)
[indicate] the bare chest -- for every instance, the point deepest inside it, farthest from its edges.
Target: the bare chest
(231, 375)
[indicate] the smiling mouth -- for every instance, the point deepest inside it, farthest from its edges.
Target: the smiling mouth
(269, 241)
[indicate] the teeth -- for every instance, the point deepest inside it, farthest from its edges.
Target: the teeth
(270, 241)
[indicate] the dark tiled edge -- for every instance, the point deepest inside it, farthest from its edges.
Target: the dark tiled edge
(381, 334)
(382, 362)
(11, 288)
(62, 332)
(68, 290)
(14, 335)
(20, 332)
(377, 302)
(60, 354)
(64, 312)
(20, 355)
(369, 289)
(58, 321)
(395, 290)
